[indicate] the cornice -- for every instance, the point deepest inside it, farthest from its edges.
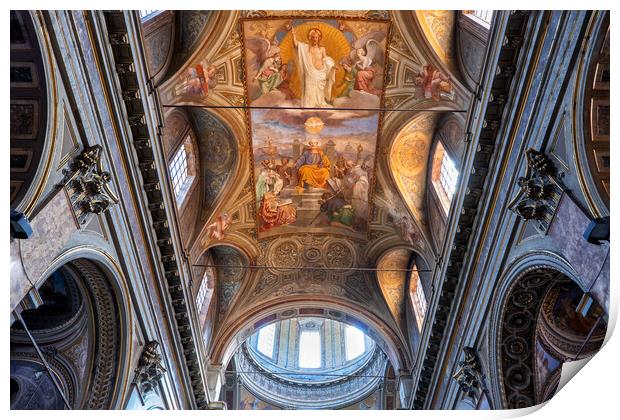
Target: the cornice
(125, 64)
(508, 38)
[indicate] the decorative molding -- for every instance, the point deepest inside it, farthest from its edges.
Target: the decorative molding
(107, 333)
(363, 14)
(517, 334)
(130, 92)
(484, 147)
(278, 390)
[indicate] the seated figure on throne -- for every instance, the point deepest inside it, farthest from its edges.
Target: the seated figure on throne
(312, 167)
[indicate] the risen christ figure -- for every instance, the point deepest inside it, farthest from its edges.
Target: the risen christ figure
(316, 70)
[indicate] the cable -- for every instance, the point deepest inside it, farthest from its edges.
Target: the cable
(42, 358)
(313, 109)
(304, 374)
(283, 267)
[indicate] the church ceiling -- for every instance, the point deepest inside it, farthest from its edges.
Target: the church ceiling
(316, 128)
(314, 135)
(230, 272)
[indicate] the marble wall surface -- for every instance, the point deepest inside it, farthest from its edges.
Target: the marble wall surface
(588, 260)
(30, 258)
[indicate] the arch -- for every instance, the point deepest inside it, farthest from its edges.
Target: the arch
(472, 35)
(518, 297)
(27, 381)
(220, 160)
(102, 325)
(33, 110)
(590, 135)
(235, 334)
(407, 161)
(158, 33)
(281, 379)
(562, 331)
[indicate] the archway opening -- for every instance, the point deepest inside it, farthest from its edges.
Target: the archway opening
(547, 320)
(78, 330)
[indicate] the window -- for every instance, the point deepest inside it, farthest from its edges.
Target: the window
(178, 169)
(182, 169)
(266, 336)
(444, 176)
(448, 175)
(418, 299)
(310, 349)
(483, 17)
(354, 342)
(146, 14)
(203, 291)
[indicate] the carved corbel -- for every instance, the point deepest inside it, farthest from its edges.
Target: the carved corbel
(87, 185)
(469, 376)
(150, 369)
(540, 193)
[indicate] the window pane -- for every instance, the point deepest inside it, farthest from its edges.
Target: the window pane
(354, 342)
(482, 16)
(203, 292)
(310, 349)
(146, 13)
(178, 170)
(266, 337)
(448, 176)
(418, 299)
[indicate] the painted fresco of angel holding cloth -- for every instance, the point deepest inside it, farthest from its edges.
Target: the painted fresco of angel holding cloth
(270, 73)
(364, 62)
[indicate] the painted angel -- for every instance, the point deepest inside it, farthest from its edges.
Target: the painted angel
(270, 72)
(432, 83)
(366, 57)
(216, 229)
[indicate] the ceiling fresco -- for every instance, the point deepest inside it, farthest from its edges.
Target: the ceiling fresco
(317, 150)
(313, 87)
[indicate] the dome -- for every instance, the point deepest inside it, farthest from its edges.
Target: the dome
(310, 362)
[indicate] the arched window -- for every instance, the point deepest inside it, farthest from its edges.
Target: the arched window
(182, 170)
(205, 291)
(444, 176)
(418, 299)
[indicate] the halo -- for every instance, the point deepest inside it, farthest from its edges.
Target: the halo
(314, 125)
(336, 45)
